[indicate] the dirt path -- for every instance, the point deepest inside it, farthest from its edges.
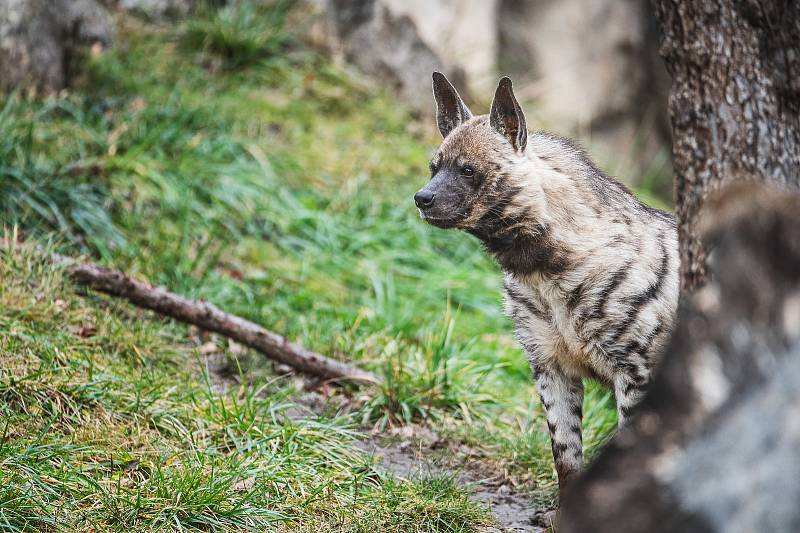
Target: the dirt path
(414, 450)
(411, 451)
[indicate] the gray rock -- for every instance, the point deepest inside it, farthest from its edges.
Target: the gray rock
(714, 446)
(38, 37)
(462, 33)
(591, 69)
(382, 44)
(157, 8)
(594, 70)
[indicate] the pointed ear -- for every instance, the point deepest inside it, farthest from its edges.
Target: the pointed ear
(450, 108)
(506, 115)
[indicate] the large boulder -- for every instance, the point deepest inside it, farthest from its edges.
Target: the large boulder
(382, 44)
(594, 72)
(714, 446)
(38, 38)
(588, 60)
(587, 69)
(157, 8)
(462, 33)
(401, 42)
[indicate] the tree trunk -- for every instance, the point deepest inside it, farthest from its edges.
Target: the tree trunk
(713, 447)
(734, 104)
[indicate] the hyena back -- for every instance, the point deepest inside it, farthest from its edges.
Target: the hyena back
(591, 273)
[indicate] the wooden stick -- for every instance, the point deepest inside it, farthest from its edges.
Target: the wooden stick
(210, 318)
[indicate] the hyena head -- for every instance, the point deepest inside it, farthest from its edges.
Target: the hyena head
(472, 173)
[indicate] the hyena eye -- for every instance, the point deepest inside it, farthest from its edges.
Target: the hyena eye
(433, 168)
(467, 171)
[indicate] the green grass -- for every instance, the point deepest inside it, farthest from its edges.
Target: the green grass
(226, 161)
(241, 33)
(110, 422)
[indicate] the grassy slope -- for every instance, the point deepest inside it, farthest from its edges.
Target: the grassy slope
(111, 422)
(250, 172)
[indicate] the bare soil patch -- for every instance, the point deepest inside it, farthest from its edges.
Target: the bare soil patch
(414, 450)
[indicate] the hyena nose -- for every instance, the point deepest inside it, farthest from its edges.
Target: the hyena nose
(424, 198)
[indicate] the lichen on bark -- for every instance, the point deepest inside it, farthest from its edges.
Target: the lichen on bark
(734, 104)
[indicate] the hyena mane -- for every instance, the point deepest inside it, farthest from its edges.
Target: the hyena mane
(591, 273)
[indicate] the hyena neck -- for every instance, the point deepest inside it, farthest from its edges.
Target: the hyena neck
(522, 245)
(518, 228)
(547, 210)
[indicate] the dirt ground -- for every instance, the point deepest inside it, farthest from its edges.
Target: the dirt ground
(414, 450)
(410, 451)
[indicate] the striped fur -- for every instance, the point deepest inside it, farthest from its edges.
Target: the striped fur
(591, 273)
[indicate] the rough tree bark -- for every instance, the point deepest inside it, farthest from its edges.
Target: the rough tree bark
(713, 446)
(734, 104)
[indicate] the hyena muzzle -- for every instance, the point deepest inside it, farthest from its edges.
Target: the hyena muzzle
(591, 273)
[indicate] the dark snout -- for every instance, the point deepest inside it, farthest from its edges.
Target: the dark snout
(424, 198)
(441, 201)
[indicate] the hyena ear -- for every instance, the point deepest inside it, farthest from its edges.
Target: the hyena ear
(506, 115)
(451, 111)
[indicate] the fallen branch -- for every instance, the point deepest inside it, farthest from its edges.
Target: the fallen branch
(210, 318)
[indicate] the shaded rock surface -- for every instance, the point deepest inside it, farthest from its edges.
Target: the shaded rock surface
(38, 38)
(462, 33)
(594, 71)
(159, 8)
(382, 44)
(590, 69)
(714, 446)
(587, 62)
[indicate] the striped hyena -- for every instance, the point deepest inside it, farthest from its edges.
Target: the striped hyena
(591, 273)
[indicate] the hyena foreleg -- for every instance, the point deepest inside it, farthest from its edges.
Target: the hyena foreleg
(562, 397)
